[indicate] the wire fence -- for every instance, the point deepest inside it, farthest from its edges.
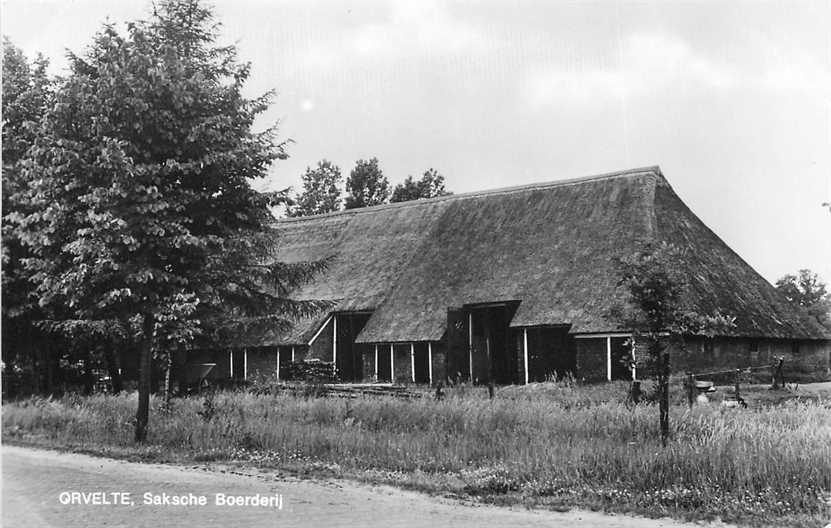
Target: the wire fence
(696, 383)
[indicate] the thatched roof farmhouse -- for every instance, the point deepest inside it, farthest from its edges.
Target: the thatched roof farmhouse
(515, 285)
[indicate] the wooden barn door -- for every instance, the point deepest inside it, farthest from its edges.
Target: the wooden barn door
(458, 349)
(350, 354)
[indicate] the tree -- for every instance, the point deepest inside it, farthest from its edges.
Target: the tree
(321, 190)
(660, 315)
(430, 185)
(366, 185)
(807, 291)
(139, 204)
(27, 93)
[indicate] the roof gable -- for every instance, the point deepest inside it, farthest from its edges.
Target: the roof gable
(720, 280)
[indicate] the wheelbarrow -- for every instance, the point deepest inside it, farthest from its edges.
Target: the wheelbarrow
(194, 377)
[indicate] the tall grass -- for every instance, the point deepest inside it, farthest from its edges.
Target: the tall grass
(558, 446)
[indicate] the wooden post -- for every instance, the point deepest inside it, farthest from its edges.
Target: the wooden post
(412, 362)
(430, 361)
(609, 358)
(168, 367)
(335, 342)
(292, 354)
(525, 352)
(490, 364)
(488, 356)
(690, 389)
(278, 363)
(470, 344)
(245, 362)
(738, 378)
(231, 362)
(376, 363)
(392, 365)
(777, 373)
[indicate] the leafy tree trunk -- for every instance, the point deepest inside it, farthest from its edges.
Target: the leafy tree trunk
(168, 367)
(145, 365)
(661, 313)
(156, 218)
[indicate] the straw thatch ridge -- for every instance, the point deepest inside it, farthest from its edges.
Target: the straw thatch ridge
(550, 246)
(472, 194)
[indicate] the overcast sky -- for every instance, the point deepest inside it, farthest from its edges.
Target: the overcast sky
(732, 100)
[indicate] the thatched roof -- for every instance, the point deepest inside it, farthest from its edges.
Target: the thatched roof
(552, 247)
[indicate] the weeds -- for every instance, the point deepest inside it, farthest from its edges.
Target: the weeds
(208, 408)
(543, 444)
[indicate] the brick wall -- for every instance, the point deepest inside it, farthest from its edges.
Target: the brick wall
(805, 361)
(591, 359)
(402, 367)
(262, 363)
(439, 363)
(300, 353)
(368, 361)
(402, 361)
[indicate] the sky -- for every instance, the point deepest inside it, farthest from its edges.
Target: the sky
(732, 100)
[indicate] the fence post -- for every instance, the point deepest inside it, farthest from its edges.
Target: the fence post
(690, 389)
(777, 373)
(738, 378)
(781, 371)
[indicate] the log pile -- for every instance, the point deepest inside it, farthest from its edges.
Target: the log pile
(328, 390)
(311, 371)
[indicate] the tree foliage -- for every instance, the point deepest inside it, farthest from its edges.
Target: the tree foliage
(660, 315)
(27, 94)
(366, 185)
(806, 290)
(430, 185)
(139, 206)
(321, 190)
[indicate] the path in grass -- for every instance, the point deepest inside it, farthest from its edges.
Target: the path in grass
(33, 480)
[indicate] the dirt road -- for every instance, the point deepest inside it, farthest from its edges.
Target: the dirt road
(36, 482)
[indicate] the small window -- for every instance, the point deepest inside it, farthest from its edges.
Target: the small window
(795, 347)
(754, 345)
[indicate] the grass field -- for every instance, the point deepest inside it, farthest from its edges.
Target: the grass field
(546, 445)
